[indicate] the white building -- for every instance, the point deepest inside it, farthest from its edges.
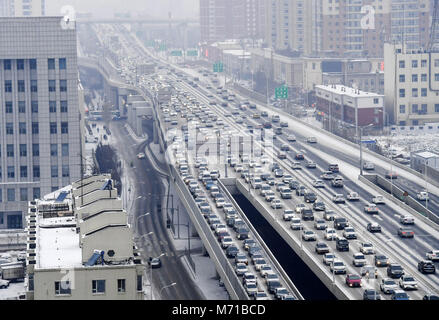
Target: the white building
(411, 82)
(22, 8)
(40, 130)
(80, 245)
(425, 158)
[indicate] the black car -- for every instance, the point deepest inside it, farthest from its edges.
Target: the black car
(430, 297)
(319, 206)
(381, 260)
(342, 244)
(371, 294)
(272, 285)
(242, 233)
(294, 184)
(232, 251)
(426, 267)
(307, 214)
(395, 271)
(300, 156)
(154, 262)
(322, 248)
(310, 197)
(340, 223)
(373, 227)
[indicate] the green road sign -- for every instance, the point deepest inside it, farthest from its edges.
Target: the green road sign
(192, 53)
(218, 67)
(281, 93)
(177, 53)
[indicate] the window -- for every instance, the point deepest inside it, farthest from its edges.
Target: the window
(35, 150)
(33, 86)
(424, 77)
(21, 107)
(401, 64)
(23, 150)
(35, 128)
(33, 64)
(64, 127)
(34, 106)
(36, 170)
(423, 63)
(20, 64)
(436, 107)
(65, 149)
(9, 128)
(20, 84)
(23, 194)
(423, 92)
(436, 77)
(139, 283)
(63, 85)
(63, 106)
(10, 150)
(414, 63)
(52, 106)
(376, 100)
(401, 93)
(11, 172)
(23, 171)
(7, 64)
(52, 86)
(414, 78)
(62, 287)
(424, 108)
(11, 195)
(54, 171)
(436, 63)
(8, 107)
(53, 150)
(414, 108)
(51, 64)
(8, 86)
(402, 108)
(0, 176)
(22, 127)
(98, 286)
(121, 285)
(36, 193)
(401, 78)
(414, 92)
(65, 171)
(62, 64)
(415, 122)
(53, 129)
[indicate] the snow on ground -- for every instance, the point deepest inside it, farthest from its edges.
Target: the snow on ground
(406, 143)
(12, 292)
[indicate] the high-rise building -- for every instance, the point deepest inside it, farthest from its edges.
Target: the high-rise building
(231, 19)
(40, 130)
(22, 8)
(360, 27)
(293, 25)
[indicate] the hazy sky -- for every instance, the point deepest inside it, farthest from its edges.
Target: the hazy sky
(107, 8)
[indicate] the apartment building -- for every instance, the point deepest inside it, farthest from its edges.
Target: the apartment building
(359, 28)
(411, 85)
(80, 246)
(22, 8)
(292, 25)
(231, 19)
(40, 122)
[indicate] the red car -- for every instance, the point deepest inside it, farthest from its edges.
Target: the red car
(300, 156)
(353, 280)
(391, 175)
(406, 232)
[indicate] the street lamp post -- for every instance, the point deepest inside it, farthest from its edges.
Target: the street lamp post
(168, 286)
(150, 273)
(137, 219)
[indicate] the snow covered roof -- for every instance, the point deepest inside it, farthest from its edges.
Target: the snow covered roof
(348, 91)
(427, 155)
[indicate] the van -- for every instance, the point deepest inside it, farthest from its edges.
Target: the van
(342, 244)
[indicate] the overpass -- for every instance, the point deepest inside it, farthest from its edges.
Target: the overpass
(143, 21)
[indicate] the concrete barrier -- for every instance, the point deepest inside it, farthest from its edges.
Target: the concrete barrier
(314, 265)
(290, 285)
(379, 184)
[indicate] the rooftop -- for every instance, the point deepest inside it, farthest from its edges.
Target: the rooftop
(348, 91)
(427, 154)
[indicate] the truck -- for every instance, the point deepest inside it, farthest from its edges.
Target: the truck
(13, 271)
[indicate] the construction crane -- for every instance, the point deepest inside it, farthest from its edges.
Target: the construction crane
(433, 45)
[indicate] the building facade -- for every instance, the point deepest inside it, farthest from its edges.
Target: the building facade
(40, 123)
(349, 105)
(411, 85)
(80, 246)
(22, 8)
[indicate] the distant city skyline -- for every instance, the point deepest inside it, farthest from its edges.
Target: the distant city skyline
(107, 8)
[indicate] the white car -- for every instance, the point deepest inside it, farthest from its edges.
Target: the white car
(368, 166)
(300, 207)
(318, 184)
(367, 248)
(408, 282)
(379, 199)
(406, 219)
(353, 196)
(296, 224)
(141, 155)
(251, 289)
(337, 266)
(433, 255)
(349, 233)
(359, 259)
(4, 284)
(388, 285)
(291, 138)
(330, 234)
(220, 202)
(338, 198)
(288, 215)
(328, 258)
(241, 269)
(276, 204)
(308, 235)
(259, 263)
(226, 242)
(311, 140)
(422, 196)
(269, 195)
